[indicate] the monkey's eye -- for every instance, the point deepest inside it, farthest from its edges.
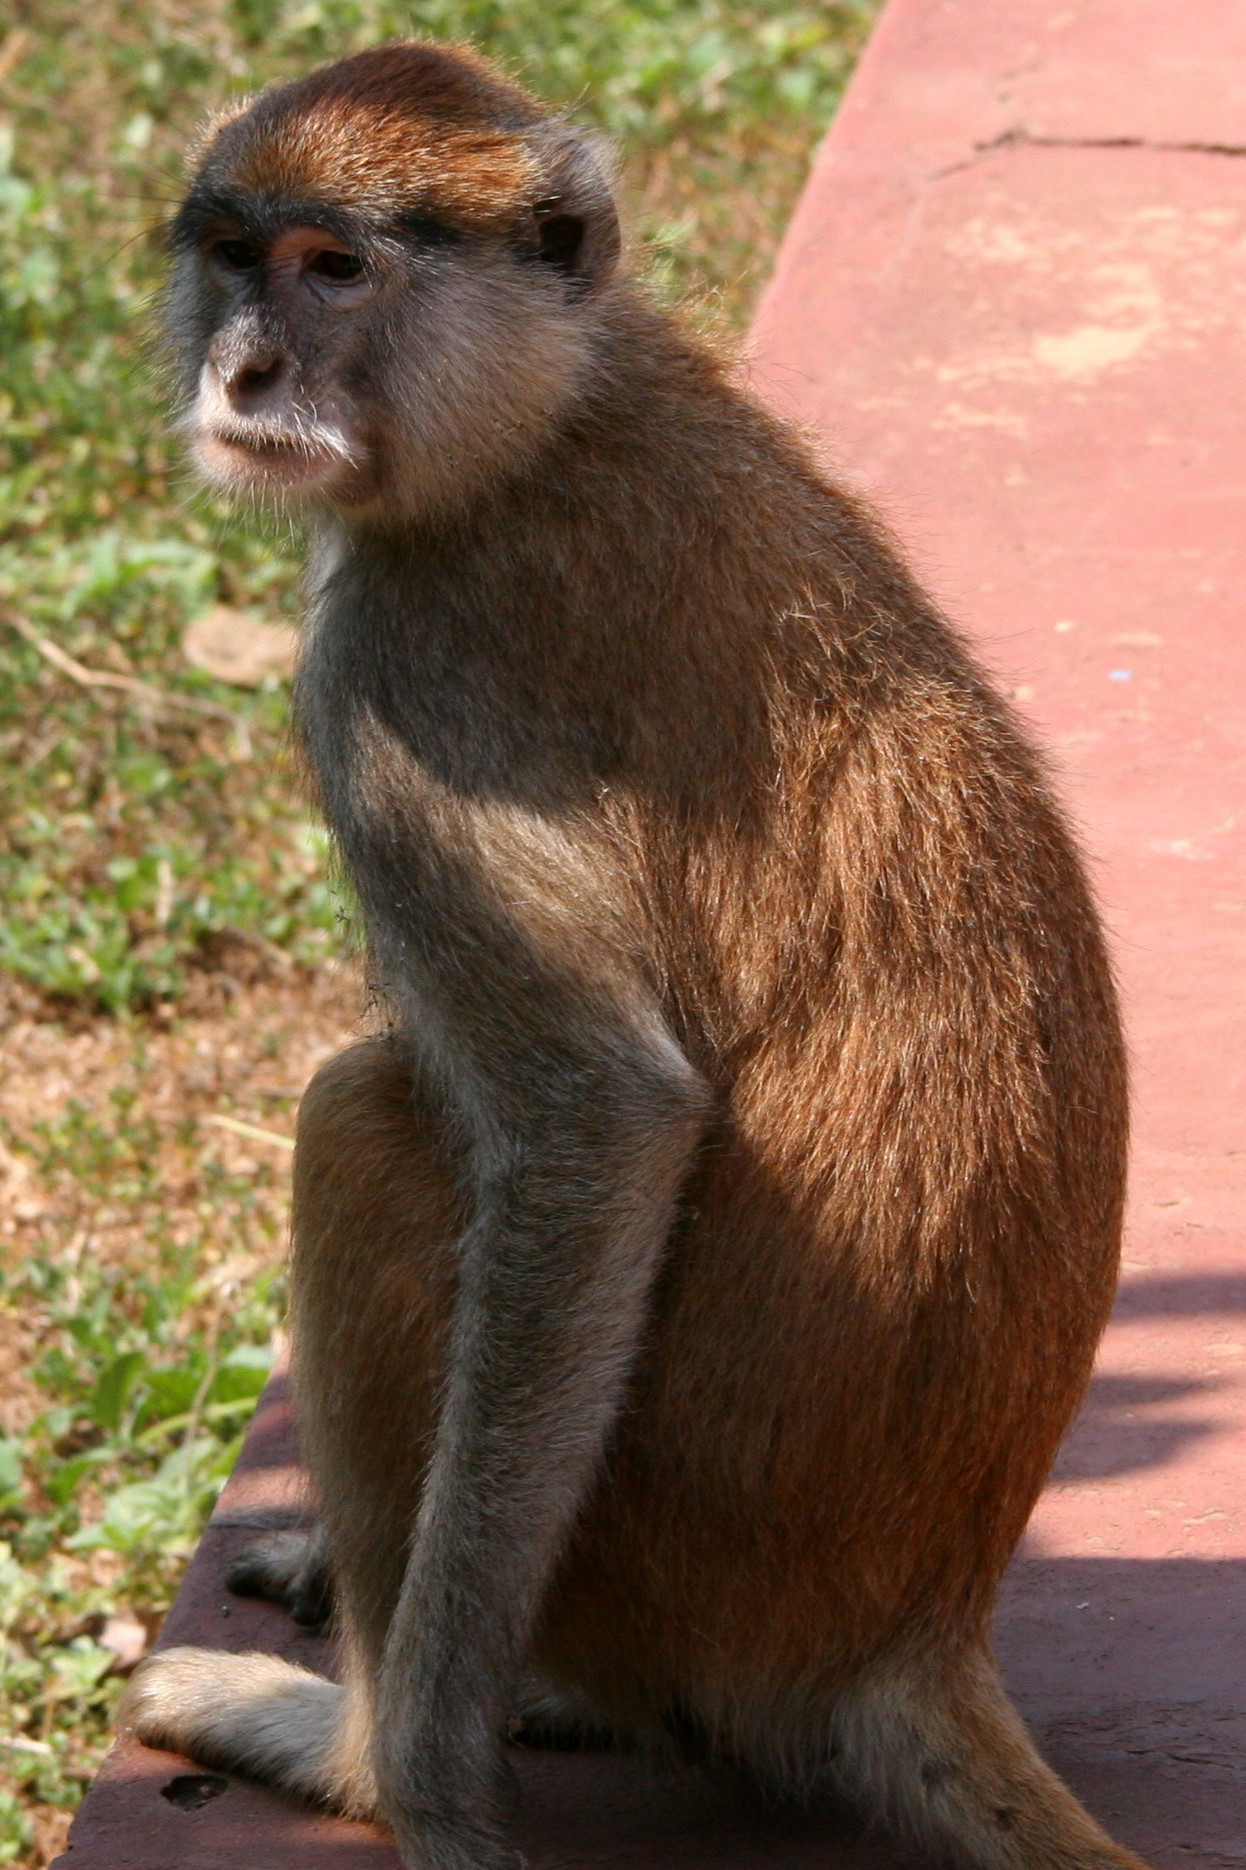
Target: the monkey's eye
(336, 266)
(237, 256)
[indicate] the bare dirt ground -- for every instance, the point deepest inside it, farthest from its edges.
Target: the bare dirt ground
(241, 1046)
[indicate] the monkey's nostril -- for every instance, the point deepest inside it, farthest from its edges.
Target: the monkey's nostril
(254, 378)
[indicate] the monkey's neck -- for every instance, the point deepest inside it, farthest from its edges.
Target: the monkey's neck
(624, 605)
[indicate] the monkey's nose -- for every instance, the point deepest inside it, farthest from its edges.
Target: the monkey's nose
(249, 381)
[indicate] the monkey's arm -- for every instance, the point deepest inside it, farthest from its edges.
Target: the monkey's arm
(508, 939)
(585, 1139)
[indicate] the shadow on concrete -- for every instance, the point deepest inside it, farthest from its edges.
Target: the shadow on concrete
(1129, 1674)
(1108, 1437)
(1122, 1427)
(1181, 1295)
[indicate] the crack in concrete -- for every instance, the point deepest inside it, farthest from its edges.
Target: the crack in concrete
(1019, 138)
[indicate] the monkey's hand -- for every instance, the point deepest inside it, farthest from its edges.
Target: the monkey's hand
(292, 1569)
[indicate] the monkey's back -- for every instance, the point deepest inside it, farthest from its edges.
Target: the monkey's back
(675, 671)
(895, 1262)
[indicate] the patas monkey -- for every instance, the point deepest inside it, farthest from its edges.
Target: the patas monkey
(692, 1289)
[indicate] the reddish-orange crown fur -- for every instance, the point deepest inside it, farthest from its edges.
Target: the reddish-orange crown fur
(411, 128)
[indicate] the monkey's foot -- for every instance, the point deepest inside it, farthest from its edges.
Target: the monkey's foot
(559, 1720)
(254, 1715)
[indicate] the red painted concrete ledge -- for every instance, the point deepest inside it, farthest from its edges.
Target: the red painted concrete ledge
(1012, 301)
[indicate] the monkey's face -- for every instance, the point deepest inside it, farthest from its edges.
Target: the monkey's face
(266, 317)
(415, 329)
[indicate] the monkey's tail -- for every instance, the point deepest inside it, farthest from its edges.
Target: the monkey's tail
(262, 1718)
(942, 1754)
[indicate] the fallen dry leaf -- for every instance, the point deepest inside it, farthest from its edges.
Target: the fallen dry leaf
(126, 1637)
(232, 646)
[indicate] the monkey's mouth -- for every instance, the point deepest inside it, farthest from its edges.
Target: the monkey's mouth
(262, 456)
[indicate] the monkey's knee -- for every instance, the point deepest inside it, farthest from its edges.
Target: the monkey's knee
(372, 1150)
(290, 1568)
(365, 1088)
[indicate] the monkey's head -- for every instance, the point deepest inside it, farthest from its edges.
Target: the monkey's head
(388, 279)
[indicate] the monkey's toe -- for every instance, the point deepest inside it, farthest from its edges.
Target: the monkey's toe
(166, 1692)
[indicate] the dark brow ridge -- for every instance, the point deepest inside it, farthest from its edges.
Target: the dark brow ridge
(424, 228)
(261, 217)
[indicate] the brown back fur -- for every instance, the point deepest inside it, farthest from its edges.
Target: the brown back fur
(866, 925)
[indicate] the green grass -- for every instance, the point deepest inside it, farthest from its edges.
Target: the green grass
(136, 837)
(148, 1367)
(132, 838)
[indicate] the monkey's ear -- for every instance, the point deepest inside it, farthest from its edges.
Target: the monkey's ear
(577, 226)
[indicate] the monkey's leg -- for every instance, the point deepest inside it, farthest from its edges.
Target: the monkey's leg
(291, 1568)
(941, 1752)
(375, 1212)
(379, 1262)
